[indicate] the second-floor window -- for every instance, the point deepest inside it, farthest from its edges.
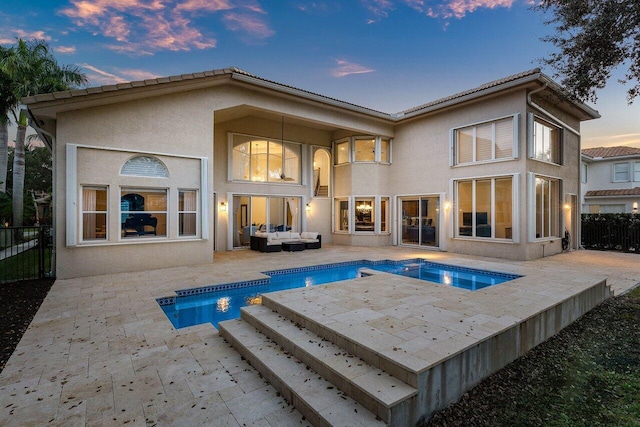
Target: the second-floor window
(621, 172)
(546, 144)
(486, 141)
(265, 160)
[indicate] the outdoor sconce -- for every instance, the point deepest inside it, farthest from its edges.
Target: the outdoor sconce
(567, 206)
(223, 207)
(447, 206)
(635, 207)
(308, 207)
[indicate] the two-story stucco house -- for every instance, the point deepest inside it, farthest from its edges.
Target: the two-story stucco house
(165, 172)
(610, 180)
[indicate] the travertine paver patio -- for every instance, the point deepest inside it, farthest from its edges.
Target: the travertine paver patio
(101, 351)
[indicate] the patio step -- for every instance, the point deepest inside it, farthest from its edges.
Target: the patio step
(384, 395)
(405, 368)
(317, 399)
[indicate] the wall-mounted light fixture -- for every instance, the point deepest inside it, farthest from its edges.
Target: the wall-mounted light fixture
(447, 206)
(223, 207)
(308, 207)
(635, 207)
(567, 206)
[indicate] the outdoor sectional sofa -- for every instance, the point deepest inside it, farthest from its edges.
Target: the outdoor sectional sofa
(272, 242)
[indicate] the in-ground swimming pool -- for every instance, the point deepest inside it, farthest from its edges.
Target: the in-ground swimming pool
(213, 304)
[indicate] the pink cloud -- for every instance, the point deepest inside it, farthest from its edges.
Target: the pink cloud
(459, 8)
(204, 5)
(99, 76)
(249, 24)
(346, 68)
(379, 8)
(40, 35)
(65, 49)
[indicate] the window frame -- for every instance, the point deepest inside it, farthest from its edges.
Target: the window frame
(492, 217)
(298, 180)
(341, 215)
(454, 141)
(104, 188)
(166, 212)
(533, 222)
(614, 177)
(532, 143)
(636, 171)
(351, 150)
(364, 201)
(184, 211)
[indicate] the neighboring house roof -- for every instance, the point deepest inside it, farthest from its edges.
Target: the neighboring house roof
(613, 193)
(610, 152)
(65, 97)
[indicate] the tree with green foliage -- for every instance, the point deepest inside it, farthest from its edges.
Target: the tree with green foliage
(7, 101)
(594, 37)
(31, 69)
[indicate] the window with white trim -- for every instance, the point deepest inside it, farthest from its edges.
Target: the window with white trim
(384, 214)
(362, 149)
(94, 213)
(187, 212)
(485, 208)
(364, 214)
(546, 144)
(547, 207)
(342, 215)
(636, 171)
(621, 172)
(145, 166)
(486, 141)
(583, 172)
(265, 160)
(143, 212)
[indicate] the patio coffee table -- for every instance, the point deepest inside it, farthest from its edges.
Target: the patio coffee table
(293, 246)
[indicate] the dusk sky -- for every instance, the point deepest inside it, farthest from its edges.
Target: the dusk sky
(389, 55)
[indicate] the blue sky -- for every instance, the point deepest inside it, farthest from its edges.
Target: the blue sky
(388, 55)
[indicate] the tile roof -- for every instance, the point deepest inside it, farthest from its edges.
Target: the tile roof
(607, 152)
(609, 193)
(533, 72)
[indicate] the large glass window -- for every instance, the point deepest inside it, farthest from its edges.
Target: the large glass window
(385, 151)
(342, 152)
(187, 212)
(364, 215)
(143, 212)
(384, 214)
(621, 172)
(342, 215)
(486, 141)
(546, 142)
(365, 150)
(94, 213)
(264, 160)
(321, 173)
(547, 207)
(420, 220)
(636, 171)
(260, 213)
(485, 208)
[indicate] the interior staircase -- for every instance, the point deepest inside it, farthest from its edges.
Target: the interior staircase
(330, 379)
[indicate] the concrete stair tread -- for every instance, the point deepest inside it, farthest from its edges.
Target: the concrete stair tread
(316, 398)
(375, 383)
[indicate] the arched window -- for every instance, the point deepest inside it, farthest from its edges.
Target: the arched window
(145, 166)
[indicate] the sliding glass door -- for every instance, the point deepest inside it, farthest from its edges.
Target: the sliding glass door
(419, 220)
(261, 213)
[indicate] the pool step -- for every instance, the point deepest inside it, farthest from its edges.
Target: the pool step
(384, 395)
(317, 399)
(358, 341)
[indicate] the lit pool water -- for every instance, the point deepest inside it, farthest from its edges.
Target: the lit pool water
(213, 304)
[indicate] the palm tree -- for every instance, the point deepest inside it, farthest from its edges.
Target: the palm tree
(7, 100)
(32, 69)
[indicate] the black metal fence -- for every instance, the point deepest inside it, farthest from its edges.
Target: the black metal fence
(25, 253)
(611, 232)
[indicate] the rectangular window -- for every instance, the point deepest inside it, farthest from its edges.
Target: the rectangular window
(187, 212)
(94, 213)
(143, 212)
(621, 172)
(342, 215)
(485, 208)
(547, 207)
(263, 160)
(546, 142)
(365, 150)
(485, 142)
(384, 214)
(385, 151)
(364, 215)
(636, 171)
(583, 173)
(342, 152)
